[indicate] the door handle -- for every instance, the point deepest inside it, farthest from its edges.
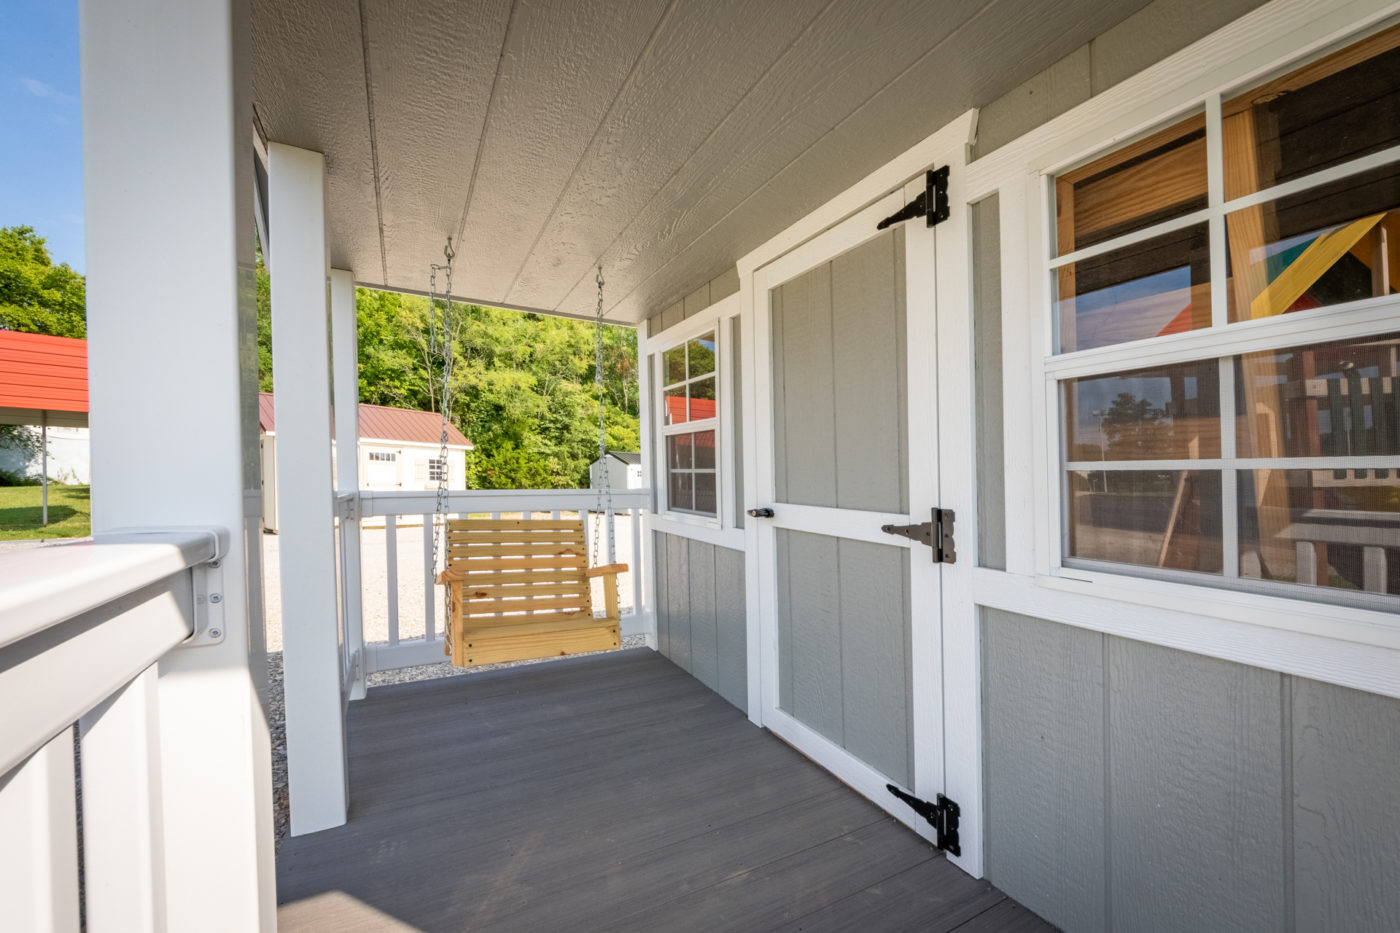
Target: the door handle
(761, 513)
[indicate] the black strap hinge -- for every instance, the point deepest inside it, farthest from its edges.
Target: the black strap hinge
(937, 533)
(932, 204)
(942, 815)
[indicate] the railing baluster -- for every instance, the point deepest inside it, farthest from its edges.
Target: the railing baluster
(39, 851)
(391, 568)
(123, 848)
(634, 559)
(429, 589)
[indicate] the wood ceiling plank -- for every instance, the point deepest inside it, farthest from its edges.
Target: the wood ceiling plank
(432, 71)
(309, 91)
(703, 63)
(970, 69)
(565, 62)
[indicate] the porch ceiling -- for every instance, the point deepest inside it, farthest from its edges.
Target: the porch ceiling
(662, 138)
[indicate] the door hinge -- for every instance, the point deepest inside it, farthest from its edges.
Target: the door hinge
(937, 533)
(942, 815)
(932, 204)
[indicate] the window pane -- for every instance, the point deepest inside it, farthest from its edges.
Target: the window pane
(1149, 518)
(675, 405)
(702, 356)
(1334, 243)
(1146, 183)
(1308, 526)
(1323, 114)
(1165, 413)
(673, 361)
(682, 492)
(702, 399)
(678, 452)
(1150, 289)
(704, 450)
(1329, 400)
(705, 493)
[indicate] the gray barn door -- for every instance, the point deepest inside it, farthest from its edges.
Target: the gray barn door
(842, 683)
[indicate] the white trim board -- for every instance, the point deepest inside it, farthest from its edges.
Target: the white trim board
(1321, 657)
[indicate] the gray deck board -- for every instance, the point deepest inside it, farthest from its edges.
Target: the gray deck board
(605, 793)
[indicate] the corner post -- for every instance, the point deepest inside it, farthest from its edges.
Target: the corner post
(168, 146)
(345, 359)
(301, 370)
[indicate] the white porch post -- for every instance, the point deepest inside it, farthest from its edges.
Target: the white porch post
(301, 372)
(346, 389)
(167, 167)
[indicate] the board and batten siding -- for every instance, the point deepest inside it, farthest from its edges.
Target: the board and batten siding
(701, 618)
(1135, 787)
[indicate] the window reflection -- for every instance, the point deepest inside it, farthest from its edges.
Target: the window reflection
(1164, 413)
(1328, 400)
(1152, 518)
(1328, 245)
(1150, 289)
(1320, 528)
(1323, 114)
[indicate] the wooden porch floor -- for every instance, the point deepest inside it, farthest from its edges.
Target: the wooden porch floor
(612, 792)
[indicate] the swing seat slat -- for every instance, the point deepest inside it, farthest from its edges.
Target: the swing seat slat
(521, 588)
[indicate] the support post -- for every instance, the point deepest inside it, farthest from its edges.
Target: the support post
(44, 460)
(167, 138)
(345, 357)
(301, 372)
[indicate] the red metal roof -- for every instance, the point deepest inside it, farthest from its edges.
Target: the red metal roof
(382, 423)
(42, 372)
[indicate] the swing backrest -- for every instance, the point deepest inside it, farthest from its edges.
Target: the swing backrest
(520, 570)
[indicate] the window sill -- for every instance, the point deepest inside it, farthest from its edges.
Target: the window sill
(696, 527)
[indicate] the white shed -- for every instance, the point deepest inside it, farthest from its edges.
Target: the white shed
(620, 469)
(399, 449)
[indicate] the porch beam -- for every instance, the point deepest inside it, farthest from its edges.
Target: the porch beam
(301, 372)
(168, 207)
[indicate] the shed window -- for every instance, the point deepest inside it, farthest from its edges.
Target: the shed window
(437, 470)
(1259, 453)
(380, 456)
(690, 425)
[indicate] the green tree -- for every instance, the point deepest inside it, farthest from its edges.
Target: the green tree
(522, 389)
(37, 296)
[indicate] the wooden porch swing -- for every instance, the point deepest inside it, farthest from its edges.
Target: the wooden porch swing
(518, 589)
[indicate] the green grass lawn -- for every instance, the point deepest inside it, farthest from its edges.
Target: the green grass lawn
(20, 512)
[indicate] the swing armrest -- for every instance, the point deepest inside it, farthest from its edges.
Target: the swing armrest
(606, 570)
(450, 576)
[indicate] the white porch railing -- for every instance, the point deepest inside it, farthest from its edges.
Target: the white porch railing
(413, 635)
(82, 627)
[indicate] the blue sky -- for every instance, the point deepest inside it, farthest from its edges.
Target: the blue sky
(41, 159)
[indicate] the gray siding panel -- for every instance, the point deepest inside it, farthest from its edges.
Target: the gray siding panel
(987, 348)
(868, 361)
(1134, 787)
(696, 301)
(1043, 715)
(704, 638)
(1346, 808)
(701, 613)
(1144, 38)
(874, 619)
(815, 620)
(1194, 743)
(806, 461)
(661, 568)
(678, 593)
(732, 631)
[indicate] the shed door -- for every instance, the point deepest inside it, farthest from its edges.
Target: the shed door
(851, 626)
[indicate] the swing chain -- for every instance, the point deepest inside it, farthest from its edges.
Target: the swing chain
(442, 343)
(605, 503)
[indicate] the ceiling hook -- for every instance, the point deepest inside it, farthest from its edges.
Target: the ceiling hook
(449, 252)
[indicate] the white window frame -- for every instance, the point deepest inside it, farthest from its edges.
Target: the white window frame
(719, 528)
(1348, 645)
(443, 467)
